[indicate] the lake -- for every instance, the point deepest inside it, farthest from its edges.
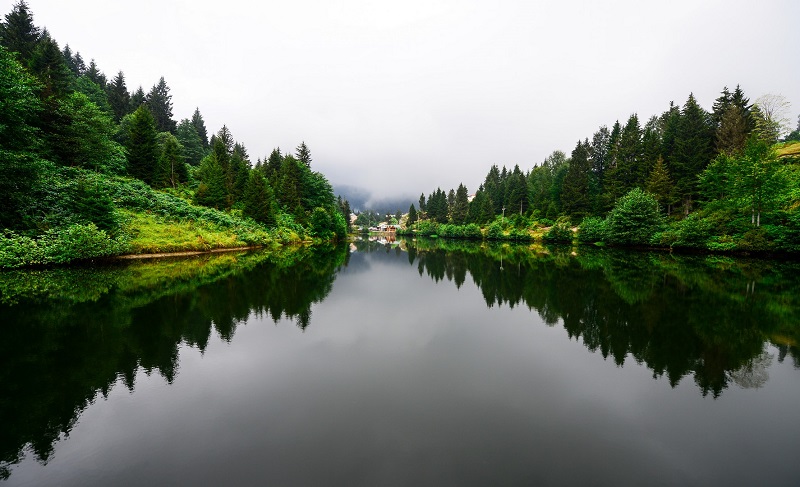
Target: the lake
(423, 362)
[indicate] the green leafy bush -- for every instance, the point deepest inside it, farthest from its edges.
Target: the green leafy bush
(58, 246)
(634, 220)
(561, 232)
(592, 229)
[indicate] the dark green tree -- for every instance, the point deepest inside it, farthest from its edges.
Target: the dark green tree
(412, 216)
(259, 200)
(575, 197)
(461, 207)
(142, 145)
(48, 65)
(118, 97)
(18, 33)
(171, 169)
(160, 103)
(137, 98)
(693, 150)
(660, 185)
(303, 154)
(20, 141)
(95, 75)
(193, 151)
(200, 127)
(211, 191)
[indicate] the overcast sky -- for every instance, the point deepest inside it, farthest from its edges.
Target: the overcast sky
(406, 96)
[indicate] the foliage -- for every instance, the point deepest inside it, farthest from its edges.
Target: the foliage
(561, 232)
(58, 246)
(592, 229)
(634, 219)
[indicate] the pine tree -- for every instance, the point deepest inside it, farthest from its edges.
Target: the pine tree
(142, 145)
(193, 151)
(660, 185)
(137, 99)
(118, 97)
(211, 190)
(693, 150)
(160, 102)
(171, 168)
(48, 64)
(259, 200)
(18, 34)
(272, 166)
(412, 216)
(516, 194)
(575, 193)
(732, 131)
(97, 76)
(461, 207)
(303, 154)
(200, 127)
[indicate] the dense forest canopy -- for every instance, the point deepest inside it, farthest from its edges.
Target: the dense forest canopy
(63, 122)
(725, 179)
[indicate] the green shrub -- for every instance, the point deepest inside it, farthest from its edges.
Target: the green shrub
(561, 232)
(472, 231)
(58, 246)
(592, 229)
(495, 230)
(634, 220)
(693, 231)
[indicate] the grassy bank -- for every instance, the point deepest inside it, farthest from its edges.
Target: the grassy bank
(127, 216)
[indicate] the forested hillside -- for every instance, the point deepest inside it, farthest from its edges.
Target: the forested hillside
(725, 179)
(89, 167)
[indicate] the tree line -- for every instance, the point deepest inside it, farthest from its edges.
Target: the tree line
(722, 165)
(58, 112)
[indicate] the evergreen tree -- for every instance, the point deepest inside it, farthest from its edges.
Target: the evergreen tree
(303, 154)
(142, 145)
(160, 102)
(732, 131)
(200, 127)
(83, 136)
(137, 98)
(451, 202)
(20, 142)
(627, 172)
(259, 200)
(171, 167)
(193, 151)
(693, 150)
(422, 206)
(344, 208)
(48, 65)
(516, 186)
(461, 207)
(290, 185)
(211, 190)
(659, 184)
(412, 216)
(575, 195)
(18, 34)
(272, 167)
(97, 76)
(95, 93)
(118, 97)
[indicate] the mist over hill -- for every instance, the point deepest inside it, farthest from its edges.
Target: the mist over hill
(362, 199)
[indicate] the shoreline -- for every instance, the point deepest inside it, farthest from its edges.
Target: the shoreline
(182, 253)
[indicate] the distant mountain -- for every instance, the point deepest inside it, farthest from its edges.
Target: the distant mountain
(362, 199)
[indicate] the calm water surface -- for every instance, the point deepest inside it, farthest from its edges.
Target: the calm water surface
(428, 363)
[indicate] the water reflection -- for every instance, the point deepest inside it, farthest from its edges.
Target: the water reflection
(69, 335)
(705, 317)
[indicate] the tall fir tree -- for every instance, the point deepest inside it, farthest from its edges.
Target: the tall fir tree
(193, 150)
(142, 145)
(660, 185)
(18, 34)
(211, 191)
(160, 102)
(200, 127)
(259, 200)
(303, 154)
(575, 197)
(118, 97)
(461, 207)
(137, 99)
(693, 150)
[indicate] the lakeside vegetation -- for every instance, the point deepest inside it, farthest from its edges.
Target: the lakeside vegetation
(724, 180)
(90, 169)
